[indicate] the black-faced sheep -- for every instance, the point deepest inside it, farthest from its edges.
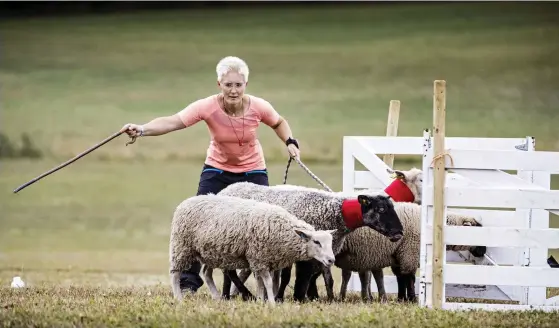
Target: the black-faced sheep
(406, 187)
(366, 251)
(411, 180)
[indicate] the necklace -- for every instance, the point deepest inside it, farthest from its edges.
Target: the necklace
(231, 122)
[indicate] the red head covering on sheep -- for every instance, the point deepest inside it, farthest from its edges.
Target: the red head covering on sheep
(399, 191)
(351, 212)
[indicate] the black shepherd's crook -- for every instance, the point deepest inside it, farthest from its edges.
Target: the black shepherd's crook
(70, 161)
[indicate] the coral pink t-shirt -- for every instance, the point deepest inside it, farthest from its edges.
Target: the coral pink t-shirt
(229, 149)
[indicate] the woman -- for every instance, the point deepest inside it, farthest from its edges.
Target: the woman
(234, 153)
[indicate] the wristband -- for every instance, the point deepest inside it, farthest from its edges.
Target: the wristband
(141, 130)
(290, 141)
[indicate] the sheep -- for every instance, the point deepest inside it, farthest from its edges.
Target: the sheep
(413, 180)
(323, 210)
(365, 250)
(232, 233)
(406, 187)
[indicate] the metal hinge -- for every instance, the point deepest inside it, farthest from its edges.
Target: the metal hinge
(524, 146)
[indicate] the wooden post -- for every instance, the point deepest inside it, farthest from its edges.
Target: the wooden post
(439, 113)
(392, 128)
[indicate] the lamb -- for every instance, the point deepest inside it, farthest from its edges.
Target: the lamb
(232, 233)
(323, 210)
(402, 256)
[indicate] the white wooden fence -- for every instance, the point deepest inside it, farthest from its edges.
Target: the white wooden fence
(515, 217)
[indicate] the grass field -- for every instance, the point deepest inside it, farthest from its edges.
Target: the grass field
(91, 240)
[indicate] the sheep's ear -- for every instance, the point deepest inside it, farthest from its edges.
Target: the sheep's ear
(331, 231)
(305, 236)
(364, 200)
(400, 175)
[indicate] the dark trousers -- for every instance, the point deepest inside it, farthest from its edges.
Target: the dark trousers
(213, 180)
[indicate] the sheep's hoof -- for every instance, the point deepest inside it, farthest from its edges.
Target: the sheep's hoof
(407, 300)
(249, 297)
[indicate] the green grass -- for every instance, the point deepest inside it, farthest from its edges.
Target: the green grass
(152, 306)
(91, 240)
(71, 82)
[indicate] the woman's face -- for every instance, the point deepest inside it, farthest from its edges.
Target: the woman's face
(232, 87)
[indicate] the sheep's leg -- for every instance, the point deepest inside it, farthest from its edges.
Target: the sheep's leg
(407, 281)
(329, 283)
(401, 280)
(234, 291)
(402, 295)
(410, 282)
(268, 284)
(226, 285)
(370, 294)
(379, 280)
(303, 274)
(243, 276)
(365, 284)
(180, 260)
(346, 275)
(175, 285)
(246, 294)
(312, 291)
(285, 278)
(260, 288)
(208, 277)
(368, 289)
(276, 280)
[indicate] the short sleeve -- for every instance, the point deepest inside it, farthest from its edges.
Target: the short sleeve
(192, 113)
(268, 115)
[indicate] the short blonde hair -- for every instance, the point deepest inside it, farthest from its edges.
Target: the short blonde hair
(231, 63)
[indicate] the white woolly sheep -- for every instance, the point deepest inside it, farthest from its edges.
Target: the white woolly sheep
(232, 233)
(365, 250)
(412, 179)
(323, 210)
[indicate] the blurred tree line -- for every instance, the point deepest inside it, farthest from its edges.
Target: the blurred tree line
(39, 8)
